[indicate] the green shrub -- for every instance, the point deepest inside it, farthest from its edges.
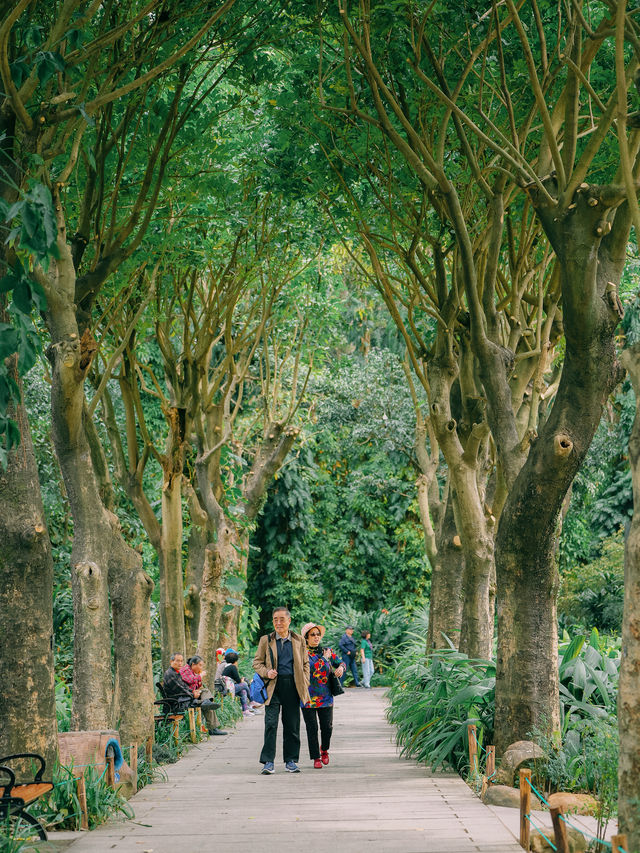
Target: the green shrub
(433, 702)
(61, 808)
(589, 674)
(592, 594)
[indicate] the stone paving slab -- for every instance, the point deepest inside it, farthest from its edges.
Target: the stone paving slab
(367, 799)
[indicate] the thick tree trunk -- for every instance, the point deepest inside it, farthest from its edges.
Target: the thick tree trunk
(476, 634)
(476, 637)
(230, 624)
(98, 543)
(629, 687)
(92, 684)
(213, 597)
(527, 664)
(27, 698)
(130, 588)
(446, 598)
(171, 580)
(200, 534)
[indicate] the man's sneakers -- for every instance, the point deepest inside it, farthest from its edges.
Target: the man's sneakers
(217, 732)
(290, 767)
(324, 756)
(317, 764)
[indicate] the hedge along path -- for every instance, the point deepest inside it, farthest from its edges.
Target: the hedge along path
(367, 799)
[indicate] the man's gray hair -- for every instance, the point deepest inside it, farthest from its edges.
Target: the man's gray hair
(280, 610)
(176, 655)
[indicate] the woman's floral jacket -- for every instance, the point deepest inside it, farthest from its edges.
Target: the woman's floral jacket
(319, 666)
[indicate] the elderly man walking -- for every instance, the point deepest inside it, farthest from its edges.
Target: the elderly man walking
(282, 663)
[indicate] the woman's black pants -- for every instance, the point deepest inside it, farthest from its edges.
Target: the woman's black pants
(313, 716)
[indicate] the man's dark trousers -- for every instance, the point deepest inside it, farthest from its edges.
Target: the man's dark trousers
(285, 697)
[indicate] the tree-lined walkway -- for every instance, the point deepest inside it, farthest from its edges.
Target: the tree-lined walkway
(366, 800)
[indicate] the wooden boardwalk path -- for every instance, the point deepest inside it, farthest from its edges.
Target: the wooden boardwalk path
(367, 799)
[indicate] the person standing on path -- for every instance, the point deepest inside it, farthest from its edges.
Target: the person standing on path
(282, 663)
(319, 709)
(348, 648)
(366, 656)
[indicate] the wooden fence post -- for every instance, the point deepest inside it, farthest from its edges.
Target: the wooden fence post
(192, 724)
(176, 730)
(199, 725)
(618, 843)
(81, 790)
(149, 750)
(491, 761)
(133, 764)
(525, 807)
(111, 768)
(473, 749)
(559, 831)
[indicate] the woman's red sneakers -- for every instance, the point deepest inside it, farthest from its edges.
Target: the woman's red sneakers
(317, 764)
(324, 756)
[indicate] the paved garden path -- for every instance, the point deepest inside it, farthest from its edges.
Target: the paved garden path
(368, 800)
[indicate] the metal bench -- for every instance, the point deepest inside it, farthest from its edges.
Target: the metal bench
(16, 797)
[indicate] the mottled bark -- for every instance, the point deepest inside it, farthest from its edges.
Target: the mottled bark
(27, 699)
(629, 686)
(220, 556)
(171, 580)
(527, 664)
(446, 598)
(92, 686)
(98, 543)
(199, 535)
(476, 537)
(130, 588)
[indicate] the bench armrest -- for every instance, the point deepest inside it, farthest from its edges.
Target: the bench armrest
(43, 763)
(12, 780)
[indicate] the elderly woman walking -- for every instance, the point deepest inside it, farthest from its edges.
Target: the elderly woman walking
(319, 708)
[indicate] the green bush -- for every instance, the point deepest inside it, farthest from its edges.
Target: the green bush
(433, 702)
(61, 809)
(592, 594)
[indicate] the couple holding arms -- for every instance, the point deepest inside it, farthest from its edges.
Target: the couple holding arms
(295, 671)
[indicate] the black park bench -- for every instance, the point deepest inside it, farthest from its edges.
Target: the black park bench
(16, 797)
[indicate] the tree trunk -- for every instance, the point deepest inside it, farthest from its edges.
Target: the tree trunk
(476, 634)
(27, 698)
(446, 598)
(199, 535)
(213, 596)
(629, 687)
(527, 664)
(92, 685)
(476, 638)
(130, 588)
(171, 581)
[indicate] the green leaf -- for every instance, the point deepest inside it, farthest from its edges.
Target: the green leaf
(8, 340)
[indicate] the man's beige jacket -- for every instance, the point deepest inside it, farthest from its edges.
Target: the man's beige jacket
(262, 663)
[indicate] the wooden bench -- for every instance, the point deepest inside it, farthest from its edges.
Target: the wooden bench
(15, 797)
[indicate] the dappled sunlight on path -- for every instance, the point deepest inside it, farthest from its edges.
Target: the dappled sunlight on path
(367, 799)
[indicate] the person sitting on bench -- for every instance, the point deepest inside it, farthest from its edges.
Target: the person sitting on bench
(178, 688)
